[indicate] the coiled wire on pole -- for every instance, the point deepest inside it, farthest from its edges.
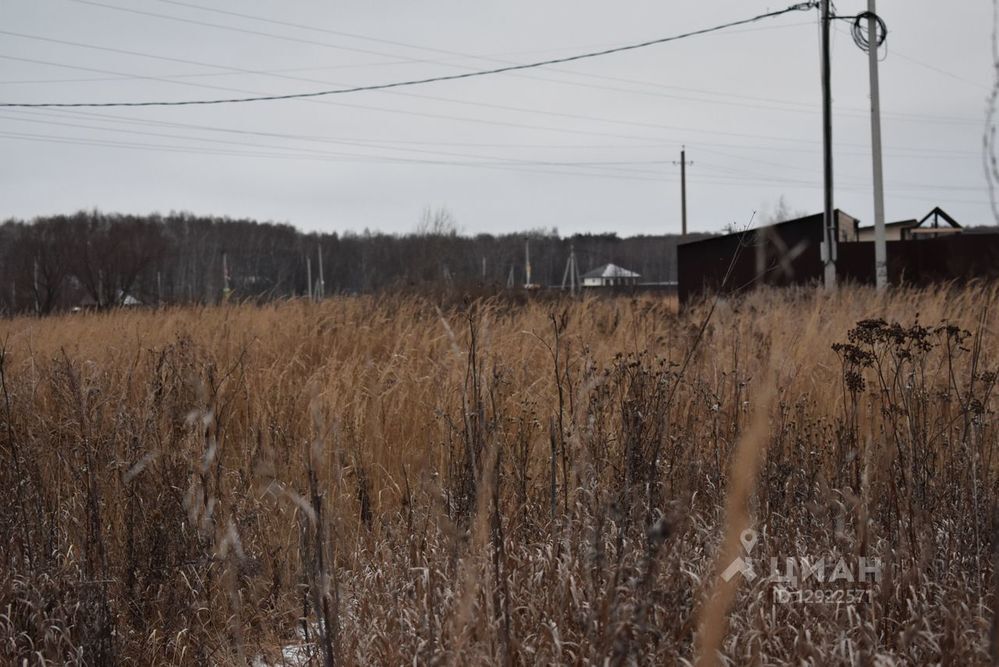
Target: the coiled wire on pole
(859, 30)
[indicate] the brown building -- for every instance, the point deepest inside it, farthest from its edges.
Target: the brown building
(904, 230)
(919, 252)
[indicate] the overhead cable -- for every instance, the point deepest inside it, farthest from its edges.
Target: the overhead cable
(803, 6)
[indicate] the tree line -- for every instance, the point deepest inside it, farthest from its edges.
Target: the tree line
(92, 259)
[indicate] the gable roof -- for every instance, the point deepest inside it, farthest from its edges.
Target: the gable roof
(610, 271)
(936, 214)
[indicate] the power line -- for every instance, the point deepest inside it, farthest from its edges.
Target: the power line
(753, 102)
(649, 143)
(494, 59)
(246, 31)
(605, 167)
(229, 68)
(410, 112)
(804, 6)
(312, 28)
(140, 54)
(460, 54)
(933, 68)
(538, 168)
(436, 50)
(365, 107)
(143, 77)
(403, 60)
(198, 75)
(853, 184)
(117, 120)
(408, 45)
(379, 142)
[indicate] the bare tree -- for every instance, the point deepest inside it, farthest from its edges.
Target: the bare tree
(781, 211)
(37, 257)
(111, 253)
(437, 222)
(991, 162)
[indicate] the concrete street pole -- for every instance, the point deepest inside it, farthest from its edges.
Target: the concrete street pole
(880, 245)
(828, 219)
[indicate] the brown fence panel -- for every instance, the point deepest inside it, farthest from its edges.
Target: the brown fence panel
(924, 262)
(783, 255)
(959, 258)
(855, 263)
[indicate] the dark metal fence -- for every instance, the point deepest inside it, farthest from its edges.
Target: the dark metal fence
(790, 256)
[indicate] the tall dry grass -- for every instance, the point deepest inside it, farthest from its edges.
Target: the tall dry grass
(389, 481)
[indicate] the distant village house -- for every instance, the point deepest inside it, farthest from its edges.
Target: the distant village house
(609, 275)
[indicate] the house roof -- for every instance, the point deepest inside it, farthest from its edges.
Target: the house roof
(815, 218)
(610, 271)
(937, 214)
(898, 223)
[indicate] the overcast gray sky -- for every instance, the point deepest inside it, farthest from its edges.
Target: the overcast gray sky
(584, 147)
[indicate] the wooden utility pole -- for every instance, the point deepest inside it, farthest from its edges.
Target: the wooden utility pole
(34, 284)
(880, 244)
(829, 215)
(683, 188)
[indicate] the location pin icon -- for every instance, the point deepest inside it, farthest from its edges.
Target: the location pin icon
(748, 539)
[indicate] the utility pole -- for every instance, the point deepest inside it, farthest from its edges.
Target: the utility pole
(527, 263)
(683, 188)
(225, 277)
(571, 273)
(34, 281)
(308, 273)
(880, 245)
(321, 285)
(828, 218)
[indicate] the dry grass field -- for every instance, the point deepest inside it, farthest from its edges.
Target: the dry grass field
(390, 481)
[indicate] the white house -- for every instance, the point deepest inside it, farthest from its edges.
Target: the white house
(609, 275)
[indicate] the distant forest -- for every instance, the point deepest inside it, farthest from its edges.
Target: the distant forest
(99, 260)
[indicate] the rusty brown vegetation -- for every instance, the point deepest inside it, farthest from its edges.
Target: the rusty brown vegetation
(389, 481)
